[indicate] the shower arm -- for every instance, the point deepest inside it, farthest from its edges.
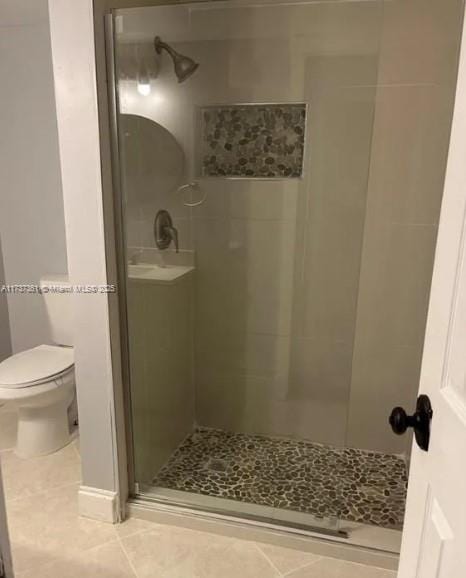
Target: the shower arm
(159, 45)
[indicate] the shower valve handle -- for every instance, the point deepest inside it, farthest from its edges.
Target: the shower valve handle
(419, 421)
(164, 231)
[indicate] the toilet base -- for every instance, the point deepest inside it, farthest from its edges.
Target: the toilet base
(42, 430)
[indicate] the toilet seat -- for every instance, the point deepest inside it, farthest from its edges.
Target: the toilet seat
(40, 384)
(42, 365)
(34, 389)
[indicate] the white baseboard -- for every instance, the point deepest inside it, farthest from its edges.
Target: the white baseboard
(99, 504)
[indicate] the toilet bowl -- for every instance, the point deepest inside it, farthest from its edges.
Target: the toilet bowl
(40, 384)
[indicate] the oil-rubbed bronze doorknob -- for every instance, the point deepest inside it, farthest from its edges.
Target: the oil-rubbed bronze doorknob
(419, 421)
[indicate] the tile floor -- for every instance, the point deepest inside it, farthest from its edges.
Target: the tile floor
(50, 540)
(328, 482)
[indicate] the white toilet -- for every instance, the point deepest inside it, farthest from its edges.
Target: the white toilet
(40, 381)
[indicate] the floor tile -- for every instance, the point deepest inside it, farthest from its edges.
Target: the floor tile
(176, 553)
(47, 524)
(286, 560)
(24, 477)
(107, 561)
(331, 568)
(50, 540)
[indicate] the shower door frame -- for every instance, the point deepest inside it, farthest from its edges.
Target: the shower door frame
(154, 508)
(114, 231)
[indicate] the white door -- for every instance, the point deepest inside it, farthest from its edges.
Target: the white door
(434, 538)
(6, 570)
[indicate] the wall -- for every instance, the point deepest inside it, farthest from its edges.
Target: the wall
(277, 262)
(415, 93)
(160, 346)
(31, 205)
(5, 340)
(73, 56)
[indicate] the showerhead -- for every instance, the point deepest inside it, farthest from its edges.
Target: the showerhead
(183, 65)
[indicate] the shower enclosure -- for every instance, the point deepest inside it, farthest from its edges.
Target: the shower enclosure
(280, 169)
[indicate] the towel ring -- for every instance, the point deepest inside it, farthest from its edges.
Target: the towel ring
(193, 186)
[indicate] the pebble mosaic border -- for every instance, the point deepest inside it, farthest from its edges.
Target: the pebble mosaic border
(253, 141)
(325, 481)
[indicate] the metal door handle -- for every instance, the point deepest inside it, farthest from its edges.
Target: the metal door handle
(419, 421)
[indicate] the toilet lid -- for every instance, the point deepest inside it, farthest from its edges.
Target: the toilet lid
(35, 365)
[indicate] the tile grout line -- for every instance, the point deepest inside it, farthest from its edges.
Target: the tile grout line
(125, 553)
(289, 572)
(264, 555)
(303, 566)
(120, 540)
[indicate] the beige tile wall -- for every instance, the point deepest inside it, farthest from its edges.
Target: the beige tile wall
(340, 89)
(160, 346)
(415, 94)
(277, 261)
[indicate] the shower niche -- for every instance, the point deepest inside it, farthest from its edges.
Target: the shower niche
(252, 141)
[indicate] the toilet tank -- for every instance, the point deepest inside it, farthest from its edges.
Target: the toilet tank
(56, 291)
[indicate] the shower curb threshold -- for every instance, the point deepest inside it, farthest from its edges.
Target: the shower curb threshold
(153, 510)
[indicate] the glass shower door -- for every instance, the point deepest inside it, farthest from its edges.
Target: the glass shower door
(241, 343)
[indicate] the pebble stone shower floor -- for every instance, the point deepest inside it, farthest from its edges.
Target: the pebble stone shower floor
(324, 481)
